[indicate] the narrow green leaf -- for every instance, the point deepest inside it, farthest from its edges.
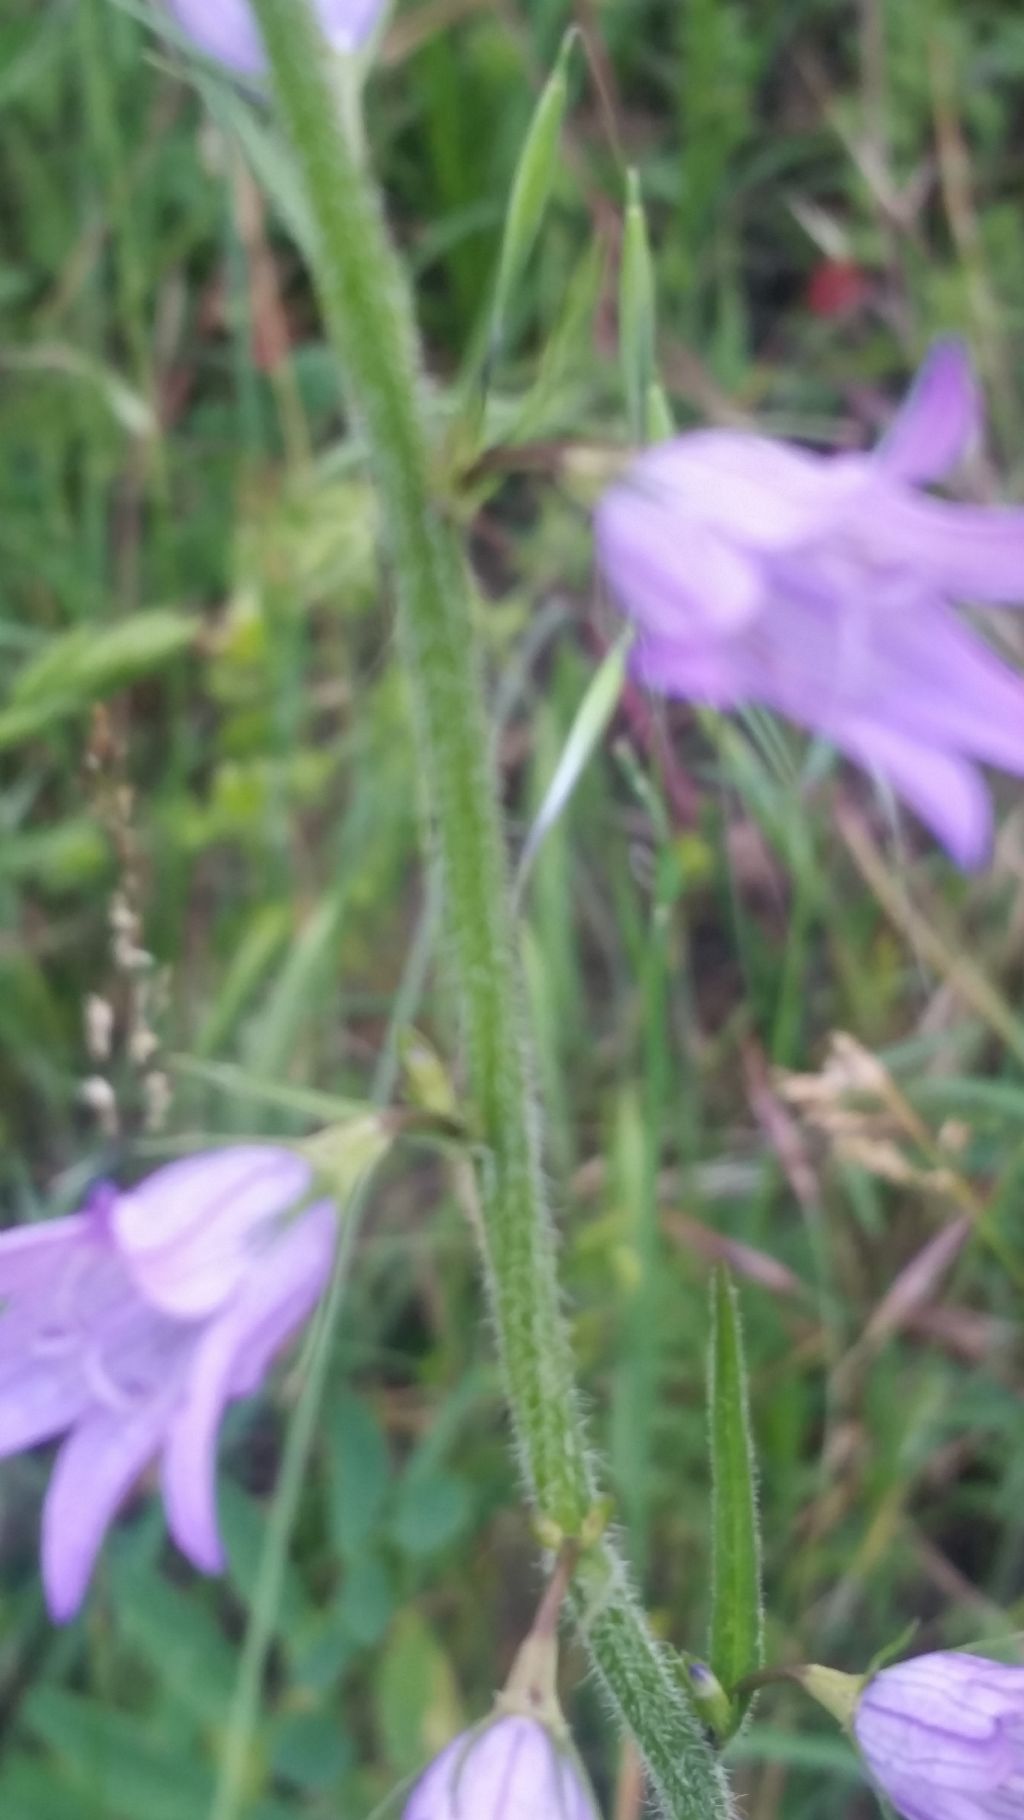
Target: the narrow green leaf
(85, 664)
(588, 727)
(637, 314)
(531, 188)
(126, 405)
(736, 1642)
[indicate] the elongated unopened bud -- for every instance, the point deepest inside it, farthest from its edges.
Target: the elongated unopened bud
(711, 1700)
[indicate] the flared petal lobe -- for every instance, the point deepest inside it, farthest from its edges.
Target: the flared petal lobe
(939, 420)
(95, 1471)
(229, 1361)
(943, 1737)
(509, 1769)
(947, 794)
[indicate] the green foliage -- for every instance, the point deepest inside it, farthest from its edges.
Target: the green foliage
(531, 188)
(736, 1643)
(188, 537)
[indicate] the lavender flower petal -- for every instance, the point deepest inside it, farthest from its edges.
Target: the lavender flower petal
(962, 695)
(132, 1325)
(509, 1769)
(28, 1254)
(230, 1360)
(714, 676)
(971, 552)
(96, 1469)
(227, 31)
(939, 419)
(39, 1398)
(761, 495)
(669, 564)
(943, 1737)
(824, 588)
(948, 794)
(189, 1232)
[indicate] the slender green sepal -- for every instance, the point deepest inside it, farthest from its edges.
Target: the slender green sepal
(839, 1694)
(736, 1644)
(660, 421)
(637, 315)
(531, 191)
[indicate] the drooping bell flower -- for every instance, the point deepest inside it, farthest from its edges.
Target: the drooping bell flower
(827, 588)
(519, 1764)
(129, 1328)
(227, 31)
(943, 1737)
(510, 1768)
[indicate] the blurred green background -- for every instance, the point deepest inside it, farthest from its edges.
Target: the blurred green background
(203, 726)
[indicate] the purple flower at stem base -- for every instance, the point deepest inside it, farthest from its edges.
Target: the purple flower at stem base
(520, 1763)
(227, 31)
(131, 1326)
(824, 587)
(510, 1768)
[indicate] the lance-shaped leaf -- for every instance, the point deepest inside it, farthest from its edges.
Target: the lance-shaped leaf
(650, 419)
(531, 188)
(83, 665)
(592, 718)
(736, 1642)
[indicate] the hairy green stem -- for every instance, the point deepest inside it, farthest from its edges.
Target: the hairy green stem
(367, 312)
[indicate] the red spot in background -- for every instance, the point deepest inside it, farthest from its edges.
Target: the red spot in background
(837, 287)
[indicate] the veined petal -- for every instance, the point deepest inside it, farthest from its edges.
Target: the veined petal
(939, 419)
(671, 573)
(900, 1748)
(190, 1231)
(965, 552)
(713, 675)
(508, 1769)
(917, 1800)
(95, 1470)
(947, 793)
(30, 1254)
(230, 1359)
(933, 678)
(39, 1397)
(955, 1689)
(766, 497)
